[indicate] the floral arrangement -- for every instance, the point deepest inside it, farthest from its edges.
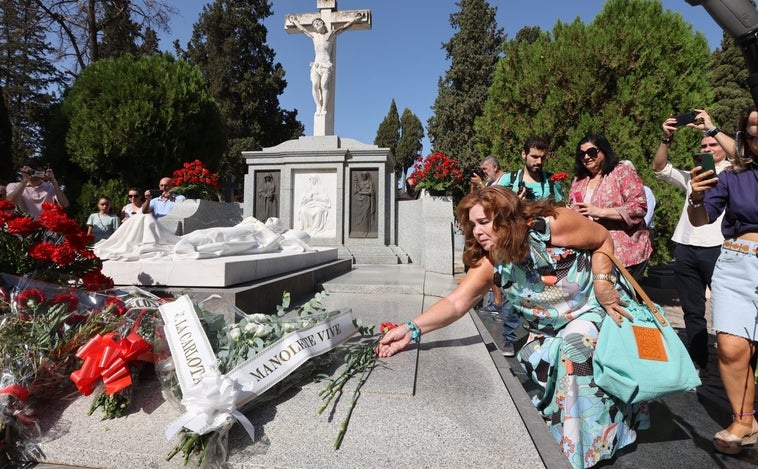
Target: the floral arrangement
(52, 248)
(218, 399)
(437, 173)
(112, 361)
(562, 178)
(41, 327)
(194, 181)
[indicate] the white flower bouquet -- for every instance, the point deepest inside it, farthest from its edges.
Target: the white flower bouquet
(216, 371)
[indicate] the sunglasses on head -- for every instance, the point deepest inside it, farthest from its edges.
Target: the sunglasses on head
(591, 152)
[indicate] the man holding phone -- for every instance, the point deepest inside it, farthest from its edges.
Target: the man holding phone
(697, 248)
(163, 203)
(36, 185)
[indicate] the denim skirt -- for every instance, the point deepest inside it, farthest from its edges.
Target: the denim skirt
(734, 289)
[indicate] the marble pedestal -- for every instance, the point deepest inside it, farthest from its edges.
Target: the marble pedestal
(253, 283)
(311, 184)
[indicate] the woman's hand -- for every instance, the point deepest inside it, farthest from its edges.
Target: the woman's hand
(609, 299)
(588, 210)
(394, 341)
(701, 182)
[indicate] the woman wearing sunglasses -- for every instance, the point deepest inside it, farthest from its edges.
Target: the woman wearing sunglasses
(135, 203)
(613, 195)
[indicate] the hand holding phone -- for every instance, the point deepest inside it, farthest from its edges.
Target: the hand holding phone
(685, 118)
(705, 161)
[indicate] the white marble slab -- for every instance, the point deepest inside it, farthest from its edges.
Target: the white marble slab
(216, 272)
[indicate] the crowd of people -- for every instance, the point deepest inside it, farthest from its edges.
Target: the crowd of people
(540, 253)
(37, 184)
(541, 260)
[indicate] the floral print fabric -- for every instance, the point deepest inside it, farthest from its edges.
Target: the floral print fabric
(553, 292)
(622, 188)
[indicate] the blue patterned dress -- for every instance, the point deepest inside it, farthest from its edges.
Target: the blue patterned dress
(553, 292)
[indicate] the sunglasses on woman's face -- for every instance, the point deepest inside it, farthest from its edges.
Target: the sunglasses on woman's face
(591, 152)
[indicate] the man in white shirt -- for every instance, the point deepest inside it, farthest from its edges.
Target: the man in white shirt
(697, 248)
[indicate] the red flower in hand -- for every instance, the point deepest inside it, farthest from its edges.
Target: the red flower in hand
(387, 326)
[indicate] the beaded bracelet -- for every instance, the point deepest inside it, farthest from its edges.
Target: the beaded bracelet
(415, 331)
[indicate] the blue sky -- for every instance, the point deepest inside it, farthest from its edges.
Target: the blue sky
(401, 57)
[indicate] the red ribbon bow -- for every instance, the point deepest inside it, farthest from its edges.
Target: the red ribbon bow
(17, 391)
(108, 356)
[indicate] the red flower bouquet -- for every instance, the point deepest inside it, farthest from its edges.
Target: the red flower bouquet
(41, 327)
(194, 181)
(52, 248)
(437, 173)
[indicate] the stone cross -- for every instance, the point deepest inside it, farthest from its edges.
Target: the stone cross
(323, 28)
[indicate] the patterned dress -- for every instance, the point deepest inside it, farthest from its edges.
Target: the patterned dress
(553, 292)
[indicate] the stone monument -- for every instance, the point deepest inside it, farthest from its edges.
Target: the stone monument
(323, 28)
(338, 190)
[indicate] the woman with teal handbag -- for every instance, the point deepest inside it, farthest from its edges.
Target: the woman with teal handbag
(547, 262)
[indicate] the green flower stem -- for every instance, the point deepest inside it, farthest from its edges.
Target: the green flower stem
(357, 362)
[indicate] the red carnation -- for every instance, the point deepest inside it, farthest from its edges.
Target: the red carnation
(22, 226)
(559, 176)
(42, 251)
(70, 299)
(96, 281)
(387, 326)
(118, 306)
(30, 298)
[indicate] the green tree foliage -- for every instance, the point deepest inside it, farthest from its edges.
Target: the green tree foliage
(729, 83)
(474, 52)
(229, 45)
(26, 74)
(620, 75)
(388, 134)
(138, 119)
(409, 147)
(121, 35)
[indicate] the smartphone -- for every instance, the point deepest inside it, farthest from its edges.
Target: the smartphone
(706, 161)
(685, 118)
(578, 198)
(155, 193)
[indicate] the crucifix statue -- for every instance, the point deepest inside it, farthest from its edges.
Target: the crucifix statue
(323, 28)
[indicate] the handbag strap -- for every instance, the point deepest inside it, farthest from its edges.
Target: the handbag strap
(637, 288)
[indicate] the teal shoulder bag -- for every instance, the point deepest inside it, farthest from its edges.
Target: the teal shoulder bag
(644, 359)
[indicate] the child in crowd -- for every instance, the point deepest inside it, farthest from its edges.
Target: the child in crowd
(103, 223)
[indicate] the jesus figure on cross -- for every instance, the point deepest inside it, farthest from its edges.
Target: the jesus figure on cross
(322, 67)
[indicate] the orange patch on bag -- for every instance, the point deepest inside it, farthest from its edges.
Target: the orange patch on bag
(649, 343)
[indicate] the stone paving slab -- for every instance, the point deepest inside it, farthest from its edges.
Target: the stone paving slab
(462, 414)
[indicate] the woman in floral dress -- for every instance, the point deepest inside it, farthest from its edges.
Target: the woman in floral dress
(613, 195)
(546, 259)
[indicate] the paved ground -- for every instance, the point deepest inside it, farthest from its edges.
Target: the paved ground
(683, 425)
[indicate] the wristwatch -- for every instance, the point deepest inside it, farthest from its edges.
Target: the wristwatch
(712, 132)
(607, 277)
